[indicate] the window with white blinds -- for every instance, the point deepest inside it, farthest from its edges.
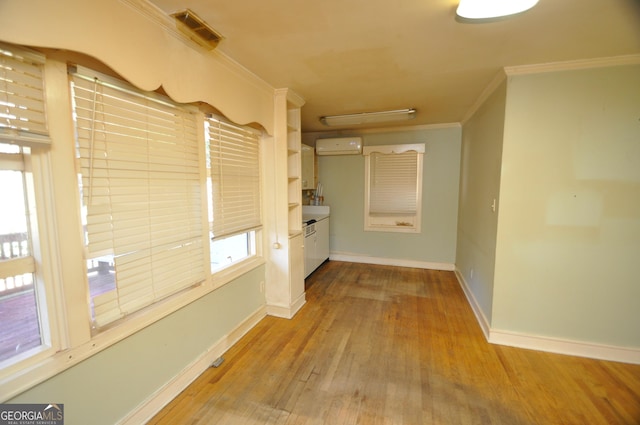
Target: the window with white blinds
(234, 161)
(393, 187)
(140, 187)
(22, 97)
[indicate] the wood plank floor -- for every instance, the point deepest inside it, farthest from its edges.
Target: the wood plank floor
(389, 345)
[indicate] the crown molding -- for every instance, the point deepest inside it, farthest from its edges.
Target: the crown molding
(291, 96)
(488, 91)
(158, 16)
(573, 65)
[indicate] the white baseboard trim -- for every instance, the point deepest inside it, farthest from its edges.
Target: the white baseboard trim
(355, 258)
(286, 312)
(564, 346)
(475, 306)
(544, 343)
(152, 405)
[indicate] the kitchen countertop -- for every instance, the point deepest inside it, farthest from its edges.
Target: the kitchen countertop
(313, 217)
(314, 212)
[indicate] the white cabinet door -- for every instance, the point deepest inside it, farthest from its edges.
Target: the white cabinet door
(316, 247)
(309, 254)
(296, 268)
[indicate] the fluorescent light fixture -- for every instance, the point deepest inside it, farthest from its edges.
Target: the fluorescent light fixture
(484, 9)
(368, 117)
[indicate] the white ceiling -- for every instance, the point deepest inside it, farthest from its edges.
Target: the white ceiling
(350, 56)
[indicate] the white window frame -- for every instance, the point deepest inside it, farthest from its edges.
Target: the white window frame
(401, 222)
(24, 98)
(45, 280)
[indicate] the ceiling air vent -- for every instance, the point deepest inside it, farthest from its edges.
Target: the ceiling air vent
(196, 29)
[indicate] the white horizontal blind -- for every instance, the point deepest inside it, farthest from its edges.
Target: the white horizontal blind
(22, 98)
(394, 182)
(138, 157)
(235, 178)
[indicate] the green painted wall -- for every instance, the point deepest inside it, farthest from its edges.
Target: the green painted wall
(343, 180)
(479, 185)
(109, 385)
(568, 240)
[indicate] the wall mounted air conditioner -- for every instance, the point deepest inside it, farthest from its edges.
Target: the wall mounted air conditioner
(339, 146)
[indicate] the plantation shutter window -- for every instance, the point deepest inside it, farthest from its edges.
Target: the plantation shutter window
(23, 119)
(140, 187)
(234, 161)
(393, 187)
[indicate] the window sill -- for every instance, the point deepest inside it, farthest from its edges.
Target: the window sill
(391, 228)
(223, 276)
(399, 223)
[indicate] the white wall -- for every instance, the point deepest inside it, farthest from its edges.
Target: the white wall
(343, 180)
(568, 240)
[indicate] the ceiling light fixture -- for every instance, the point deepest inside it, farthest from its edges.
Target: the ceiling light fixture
(485, 9)
(368, 117)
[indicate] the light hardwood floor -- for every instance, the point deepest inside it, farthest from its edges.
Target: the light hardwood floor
(389, 345)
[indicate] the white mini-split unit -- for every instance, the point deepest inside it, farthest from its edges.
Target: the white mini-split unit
(339, 146)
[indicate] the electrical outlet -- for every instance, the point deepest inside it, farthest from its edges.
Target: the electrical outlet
(471, 274)
(262, 286)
